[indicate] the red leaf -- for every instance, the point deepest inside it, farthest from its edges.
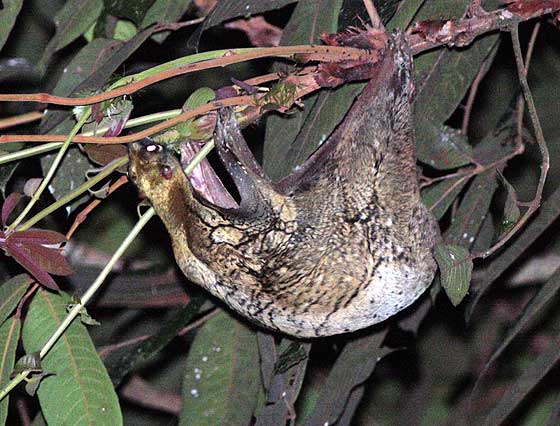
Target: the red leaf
(30, 265)
(9, 204)
(37, 236)
(49, 259)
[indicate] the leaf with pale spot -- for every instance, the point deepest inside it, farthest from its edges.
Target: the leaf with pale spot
(455, 266)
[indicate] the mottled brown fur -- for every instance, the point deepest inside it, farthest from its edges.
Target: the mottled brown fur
(343, 243)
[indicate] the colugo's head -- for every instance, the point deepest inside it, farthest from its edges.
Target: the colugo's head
(152, 167)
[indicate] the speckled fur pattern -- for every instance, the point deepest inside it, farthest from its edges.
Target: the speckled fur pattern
(342, 244)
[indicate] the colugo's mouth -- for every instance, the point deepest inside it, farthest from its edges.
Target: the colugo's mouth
(204, 179)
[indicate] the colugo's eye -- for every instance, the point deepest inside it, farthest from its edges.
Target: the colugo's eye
(153, 147)
(166, 172)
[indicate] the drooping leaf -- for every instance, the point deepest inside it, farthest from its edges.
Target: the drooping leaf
(9, 204)
(8, 14)
(230, 9)
(448, 148)
(11, 293)
(72, 21)
(124, 30)
(405, 14)
(38, 236)
(491, 270)
(31, 362)
(221, 381)
(473, 209)
(308, 21)
(6, 172)
(511, 212)
(531, 311)
(80, 392)
(531, 377)
(9, 337)
(455, 267)
(443, 76)
(132, 10)
(164, 11)
(38, 251)
(70, 174)
(121, 362)
(94, 64)
(352, 368)
(282, 386)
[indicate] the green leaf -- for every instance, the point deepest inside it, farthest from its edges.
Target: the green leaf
(229, 9)
(455, 267)
(353, 367)
(222, 379)
(121, 362)
(531, 377)
(71, 174)
(511, 212)
(439, 196)
(448, 148)
(283, 148)
(199, 97)
(9, 337)
(6, 172)
(167, 11)
(81, 392)
(473, 209)
(443, 76)
(134, 11)
(490, 271)
(73, 20)
(11, 293)
(405, 14)
(530, 313)
(124, 30)
(8, 14)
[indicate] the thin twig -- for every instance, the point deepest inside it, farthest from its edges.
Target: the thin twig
(195, 324)
(521, 99)
(486, 64)
(535, 203)
(81, 217)
(16, 120)
(223, 59)
(373, 15)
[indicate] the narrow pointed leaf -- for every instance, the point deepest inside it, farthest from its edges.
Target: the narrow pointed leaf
(221, 381)
(309, 20)
(121, 362)
(352, 368)
(31, 265)
(9, 204)
(80, 392)
(8, 14)
(38, 236)
(530, 377)
(490, 271)
(72, 21)
(455, 268)
(9, 337)
(531, 311)
(11, 293)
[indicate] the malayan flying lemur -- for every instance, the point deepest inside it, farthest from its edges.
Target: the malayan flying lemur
(343, 243)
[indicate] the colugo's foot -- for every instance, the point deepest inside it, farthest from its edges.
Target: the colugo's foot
(342, 244)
